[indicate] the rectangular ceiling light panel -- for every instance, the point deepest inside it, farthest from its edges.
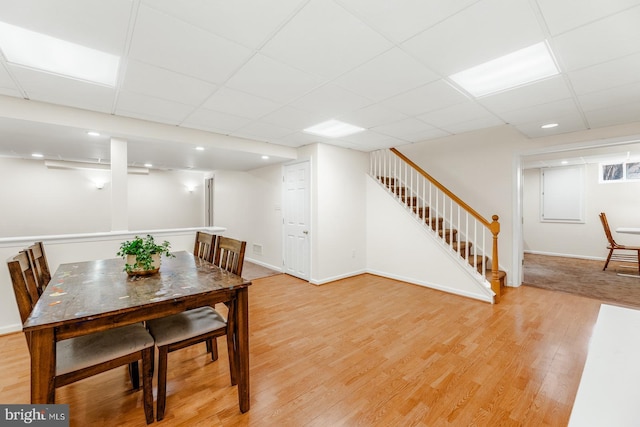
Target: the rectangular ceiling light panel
(46, 53)
(333, 129)
(515, 69)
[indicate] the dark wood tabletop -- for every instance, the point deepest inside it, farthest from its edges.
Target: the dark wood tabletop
(90, 296)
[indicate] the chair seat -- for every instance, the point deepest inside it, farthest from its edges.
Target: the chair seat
(185, 325)
(82, 352)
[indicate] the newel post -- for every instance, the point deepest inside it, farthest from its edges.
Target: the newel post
(495, 279)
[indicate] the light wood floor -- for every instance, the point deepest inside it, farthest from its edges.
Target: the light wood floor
(364, 351)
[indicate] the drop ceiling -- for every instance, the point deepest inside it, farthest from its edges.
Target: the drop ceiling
(264, 71)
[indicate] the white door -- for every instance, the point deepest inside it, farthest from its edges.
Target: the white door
(296, 214)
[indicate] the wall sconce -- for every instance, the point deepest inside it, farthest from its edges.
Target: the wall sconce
(99, 185)
(191, 188)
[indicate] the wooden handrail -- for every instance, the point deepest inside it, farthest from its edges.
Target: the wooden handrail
(442, 188)
(493, 226)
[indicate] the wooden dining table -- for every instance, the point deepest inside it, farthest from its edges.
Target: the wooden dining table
(91, 296)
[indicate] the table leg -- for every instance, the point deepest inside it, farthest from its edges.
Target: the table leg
(43, 366)
(242, 330)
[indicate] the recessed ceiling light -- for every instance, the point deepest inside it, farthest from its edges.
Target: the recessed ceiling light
(515, 69)
(265, 157)
(45, 53)
(333, 129)
(93, 133)
(565, 162)
(549, 125)
(200, 148)
(38, 155)
(148, 165)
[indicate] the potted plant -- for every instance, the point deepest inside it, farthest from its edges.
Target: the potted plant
(143, 255)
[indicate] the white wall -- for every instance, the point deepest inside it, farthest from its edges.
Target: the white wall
(620, 201)
(249, 206)
(41, 201)
(37, 200)
(339, 228)
(402, 248)
(479, 168)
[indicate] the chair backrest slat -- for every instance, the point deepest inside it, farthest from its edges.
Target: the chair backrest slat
(24, 284)
(230, 254)
(204, 246)
(607, 230)
(40, 265)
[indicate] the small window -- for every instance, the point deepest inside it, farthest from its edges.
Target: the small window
(619, 172)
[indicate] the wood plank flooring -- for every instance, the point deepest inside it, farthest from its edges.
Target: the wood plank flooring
(364, 351)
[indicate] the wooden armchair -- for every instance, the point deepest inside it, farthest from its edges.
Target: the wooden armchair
(617, 252)
(88, 355)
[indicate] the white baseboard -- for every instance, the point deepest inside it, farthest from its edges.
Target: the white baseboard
(10, 329)
(565, 255)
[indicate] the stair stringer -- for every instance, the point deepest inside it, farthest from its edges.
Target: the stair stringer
(399, 246)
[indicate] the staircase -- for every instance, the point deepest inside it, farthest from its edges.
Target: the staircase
(468, 237)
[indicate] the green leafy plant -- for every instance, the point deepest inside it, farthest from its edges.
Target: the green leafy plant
(143, 250)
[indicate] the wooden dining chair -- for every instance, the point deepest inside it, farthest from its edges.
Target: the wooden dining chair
(40, 265)
(82, 357)
(229, 255)
(205, 245)
(204, 324)
(617, 252)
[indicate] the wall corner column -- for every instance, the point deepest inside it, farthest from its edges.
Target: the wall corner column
(119, 185)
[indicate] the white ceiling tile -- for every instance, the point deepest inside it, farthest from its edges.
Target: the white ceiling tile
(425, 135)
(618, 72)
(6, 82)
(566, 123)
(552, 89)
(247, 22)
(477, 34)
(601, 41)
(149, 108)
(293, 118)
(370, 140)
(430, 97)
(93, 23)
(324, 38)
(331, 101)
(373, 115)
(459, 113)
(403, 128)
(386, 75)
(565, 15)
(542, 113)
(263, 131)
(400, 20)
(153, 81)
(214, 121)
(300, 139)
(10, 92)
(167, 42)
(268, 78)
(238, 103)
(614, 115)
(474, 124)
(55, 89)
(609, 98)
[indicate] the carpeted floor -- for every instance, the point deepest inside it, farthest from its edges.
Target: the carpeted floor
(583, 277)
